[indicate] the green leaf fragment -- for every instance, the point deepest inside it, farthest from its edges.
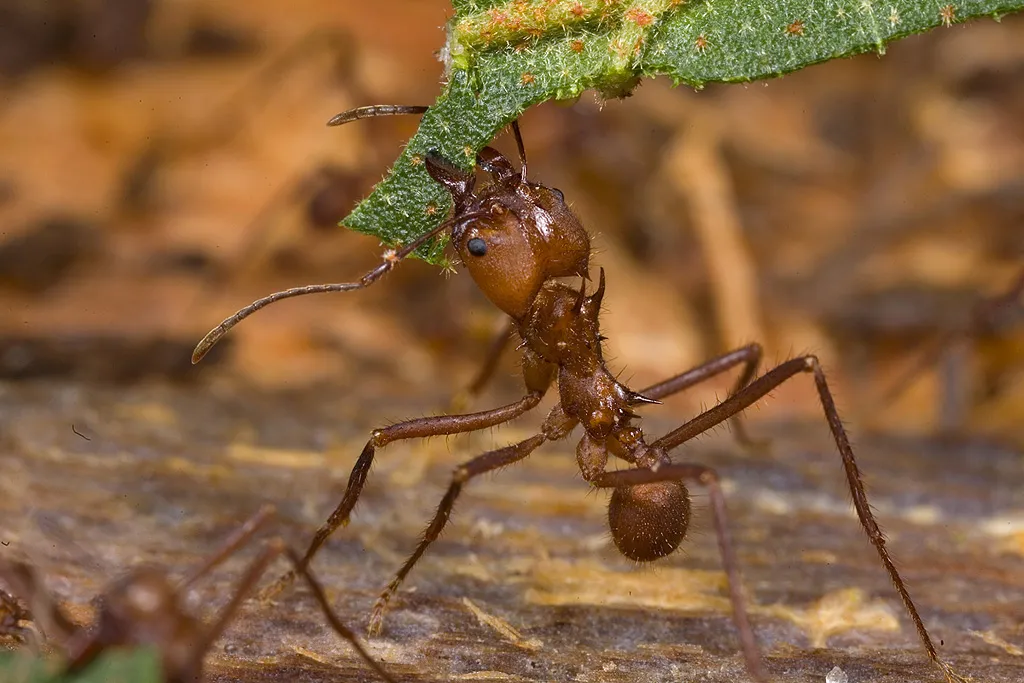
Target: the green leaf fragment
(507, 55)
(115, 666)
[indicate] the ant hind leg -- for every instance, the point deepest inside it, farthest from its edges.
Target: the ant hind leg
(746, 397)
(749, 356)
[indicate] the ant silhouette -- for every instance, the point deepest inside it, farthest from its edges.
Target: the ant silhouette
(144, 608)
(517, 238)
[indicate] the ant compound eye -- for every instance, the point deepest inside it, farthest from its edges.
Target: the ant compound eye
(476, 246)
(558, 193)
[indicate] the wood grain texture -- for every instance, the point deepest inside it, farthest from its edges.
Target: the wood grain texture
(525, 585)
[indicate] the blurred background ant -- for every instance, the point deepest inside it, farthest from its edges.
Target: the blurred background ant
(145, 608)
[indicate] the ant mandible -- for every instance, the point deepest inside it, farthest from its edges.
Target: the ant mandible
(517, 238)
(144, 609)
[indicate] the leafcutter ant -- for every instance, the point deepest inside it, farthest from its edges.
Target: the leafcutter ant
(144, 609)
(519, 240)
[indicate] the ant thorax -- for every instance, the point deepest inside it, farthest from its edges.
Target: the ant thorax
(521, 239)
(562, 329)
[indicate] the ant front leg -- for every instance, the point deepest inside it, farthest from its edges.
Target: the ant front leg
(746, 397)
(443, 425)
(749, 356)
(488, 462)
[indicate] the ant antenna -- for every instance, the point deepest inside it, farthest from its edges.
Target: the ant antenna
(521, 146)
(375, 110)
(391, 258)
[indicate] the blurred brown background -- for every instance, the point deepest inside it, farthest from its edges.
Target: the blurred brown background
(163, 163)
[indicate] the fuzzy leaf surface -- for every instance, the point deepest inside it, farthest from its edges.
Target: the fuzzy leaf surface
(505, 56)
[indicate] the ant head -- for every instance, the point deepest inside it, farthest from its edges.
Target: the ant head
(525, 233)
(142, 608)
(513, 235)
(139, 602)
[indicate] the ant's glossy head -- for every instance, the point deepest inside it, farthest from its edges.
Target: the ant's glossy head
(513, 235)
(143, 608)
(520, 235)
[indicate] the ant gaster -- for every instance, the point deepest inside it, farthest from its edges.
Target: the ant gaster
(516, 239)
(144, 609)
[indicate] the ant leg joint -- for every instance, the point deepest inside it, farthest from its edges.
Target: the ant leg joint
(811, 361)
(379, 438)
(557, 425)
(460, 476)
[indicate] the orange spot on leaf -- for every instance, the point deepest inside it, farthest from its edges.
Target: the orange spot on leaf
(948, 15)
(640, 17)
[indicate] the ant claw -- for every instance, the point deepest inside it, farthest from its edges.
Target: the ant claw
(376, 625)
(952, 676)
(273, 590)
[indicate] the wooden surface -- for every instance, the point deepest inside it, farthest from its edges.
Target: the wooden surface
(525, 584)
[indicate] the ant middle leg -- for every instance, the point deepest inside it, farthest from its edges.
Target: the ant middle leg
(488, 462)
(749, 356)
(442, 425)
(758, 389)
